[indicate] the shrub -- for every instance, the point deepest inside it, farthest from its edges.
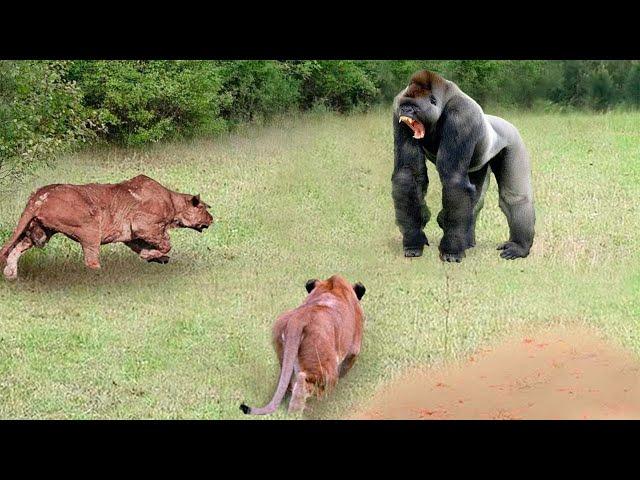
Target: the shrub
(148, 101)
(601, 90)
(41, 115)
(340, 85)
(47, 107)
(259, 89)
(632, 85)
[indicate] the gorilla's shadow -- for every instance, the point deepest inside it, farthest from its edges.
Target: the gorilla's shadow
(395, 247)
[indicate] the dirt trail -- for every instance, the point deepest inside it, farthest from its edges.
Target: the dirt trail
(556, 374)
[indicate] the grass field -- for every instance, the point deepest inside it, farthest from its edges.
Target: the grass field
(305, 198)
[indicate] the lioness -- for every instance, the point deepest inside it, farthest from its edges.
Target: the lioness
(138, 212)
(316, 342)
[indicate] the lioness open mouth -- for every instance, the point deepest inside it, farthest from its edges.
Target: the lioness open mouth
(416, 126)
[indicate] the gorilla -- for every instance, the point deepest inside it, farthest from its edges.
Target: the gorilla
(433, 118)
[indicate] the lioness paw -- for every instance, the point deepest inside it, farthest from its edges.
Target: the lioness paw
(162, 260)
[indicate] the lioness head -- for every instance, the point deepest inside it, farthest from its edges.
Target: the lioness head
(194, 214)
(333, 283)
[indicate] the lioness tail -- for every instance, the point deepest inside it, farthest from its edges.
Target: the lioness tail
(292, 341)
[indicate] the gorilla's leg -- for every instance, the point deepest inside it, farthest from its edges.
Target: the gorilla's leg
(513, 174)
(409, 189)
(480, 180)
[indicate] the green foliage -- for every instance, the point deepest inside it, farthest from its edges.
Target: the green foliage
(259, 89)
(601, 90)
(572, 88)
(525, 83)
(41, 114)
(340, 85)
(148, 101)
(632, 85)
(47, 107)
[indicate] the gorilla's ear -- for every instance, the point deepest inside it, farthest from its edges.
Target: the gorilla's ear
(195, 200)
(359, 289)
(310, 285)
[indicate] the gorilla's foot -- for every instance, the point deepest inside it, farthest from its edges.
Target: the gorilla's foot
(162, 260)
(512, 250)
(452, 257)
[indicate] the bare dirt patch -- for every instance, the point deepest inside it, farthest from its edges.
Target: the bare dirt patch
(557, 374)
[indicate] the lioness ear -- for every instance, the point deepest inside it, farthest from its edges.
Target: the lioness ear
(359, 289)
(195, 200)
(310, 285)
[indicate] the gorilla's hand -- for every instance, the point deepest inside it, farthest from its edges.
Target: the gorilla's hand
(511, 250)
(415, 248)
(452, 257)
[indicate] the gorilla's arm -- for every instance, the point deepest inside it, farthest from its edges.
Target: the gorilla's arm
(409, 187)
(461, 130)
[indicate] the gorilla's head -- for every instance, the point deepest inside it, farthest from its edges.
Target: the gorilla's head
(420, 104)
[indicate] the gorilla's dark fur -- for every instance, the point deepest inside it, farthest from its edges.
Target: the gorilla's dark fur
(433, 118)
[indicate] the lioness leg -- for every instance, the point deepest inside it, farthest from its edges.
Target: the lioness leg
(11, 269)
(157, 256)
(91, 252)
(158, 242)
(300, 393)
(90, 243)
(147, 252)
(346, 365)
(154, 234)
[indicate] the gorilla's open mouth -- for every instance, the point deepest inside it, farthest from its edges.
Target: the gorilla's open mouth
(415, 125)
(200, 228)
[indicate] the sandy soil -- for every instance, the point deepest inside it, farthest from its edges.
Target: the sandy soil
(557, 374)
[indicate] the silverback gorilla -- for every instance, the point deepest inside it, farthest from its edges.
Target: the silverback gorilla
(432, 117)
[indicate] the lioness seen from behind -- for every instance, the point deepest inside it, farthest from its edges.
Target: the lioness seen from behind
(316, 343)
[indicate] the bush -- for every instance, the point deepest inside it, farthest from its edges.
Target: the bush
(41, 115)
(47, 107)
(339, 85)
(525, 84)
(147, 101)
(259, 89)
(601, 90)
(632, 85)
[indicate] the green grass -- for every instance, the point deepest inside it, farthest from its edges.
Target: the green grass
(304, 198)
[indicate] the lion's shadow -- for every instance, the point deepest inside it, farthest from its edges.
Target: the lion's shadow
(51, 271)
